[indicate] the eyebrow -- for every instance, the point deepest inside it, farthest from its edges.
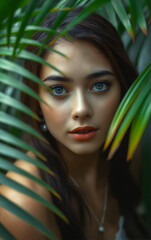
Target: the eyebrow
(90, 76)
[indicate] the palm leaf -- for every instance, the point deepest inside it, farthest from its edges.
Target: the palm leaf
(24, 22)
(4, 10)
(5, 234)
(122, 14)
(11, 81)
(14, 140)
(16, 31)
(5, 99)
(47, 5)
(129, 117)
(23, 189)
(138, 15)
(12, 121)
(29, 28)
(25, 41)
(111, 14)
(127, 102)
(26, 55)
(138, 126)
(83, 14)
(27, 217)
(14, 67)
(17, 154)
(7, 165)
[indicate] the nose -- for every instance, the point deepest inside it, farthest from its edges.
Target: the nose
(81, 108)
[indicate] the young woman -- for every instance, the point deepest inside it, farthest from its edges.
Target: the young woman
(98, 196)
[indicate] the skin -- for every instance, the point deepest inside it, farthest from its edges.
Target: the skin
(80, 102)
(22, 230)
(82, 105)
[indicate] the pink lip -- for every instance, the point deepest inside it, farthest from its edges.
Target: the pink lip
(86, 128)
(83, 136)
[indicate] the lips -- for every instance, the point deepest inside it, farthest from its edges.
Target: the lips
(83, 133)
(83, 129)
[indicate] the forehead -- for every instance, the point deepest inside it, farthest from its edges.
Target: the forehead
(82, 57)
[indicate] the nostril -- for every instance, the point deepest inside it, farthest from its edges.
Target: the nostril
(82, 116)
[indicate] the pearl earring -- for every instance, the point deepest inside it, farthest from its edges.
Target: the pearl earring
(43, 126)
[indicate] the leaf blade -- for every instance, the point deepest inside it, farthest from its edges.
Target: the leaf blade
(5, 99)
(128, 118)
(28, 192)
(5, 234)
(138, 126)
(126, 103)
(13, 140)
(24, 22)
(121, 12)
(15, 122)
(9, 166)
(27, 217)
(136, 9)
(11, 81)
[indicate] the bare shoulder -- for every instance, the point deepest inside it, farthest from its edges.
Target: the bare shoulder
(30, 168)
(24, 230)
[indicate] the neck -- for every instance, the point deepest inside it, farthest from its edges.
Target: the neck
(88, 169)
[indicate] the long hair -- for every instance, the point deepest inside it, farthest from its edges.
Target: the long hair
(101, 34)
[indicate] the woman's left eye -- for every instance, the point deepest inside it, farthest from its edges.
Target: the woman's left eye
(100, 86)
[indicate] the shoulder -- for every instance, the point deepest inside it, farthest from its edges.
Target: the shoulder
(30, 168)
(24, 230)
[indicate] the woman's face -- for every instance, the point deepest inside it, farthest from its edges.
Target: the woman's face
(86, 95)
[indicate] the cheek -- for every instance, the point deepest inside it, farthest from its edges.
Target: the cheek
(107, 110)
(55, 117)
(112, 106)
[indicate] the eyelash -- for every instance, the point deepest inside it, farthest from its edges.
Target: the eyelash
(107, 83)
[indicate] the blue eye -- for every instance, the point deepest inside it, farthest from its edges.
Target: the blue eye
(100, 86)
(58, 90)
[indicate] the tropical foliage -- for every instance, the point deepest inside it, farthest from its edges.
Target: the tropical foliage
(19, 20)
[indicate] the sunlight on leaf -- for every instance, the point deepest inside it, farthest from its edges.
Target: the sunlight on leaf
(26, 216)
(14, 140)
(126, 103)
(15, 122)
(23, 189)
(128, 118)
(138, 126)
(9, 166)
(24, 23)
(17, 104)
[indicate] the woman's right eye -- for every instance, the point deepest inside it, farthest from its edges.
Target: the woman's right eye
(58, 90)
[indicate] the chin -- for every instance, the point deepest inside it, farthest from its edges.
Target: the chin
(82, 148)
(85, 150)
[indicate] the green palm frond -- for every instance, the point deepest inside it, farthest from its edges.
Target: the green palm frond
(19, 187)
(128, 108)
(27, 217)
(15, 141)
(7, 165)
(19, 20)
(129, 117)
(140, 121)
(5, 234)
(137, 15)
(122, 14)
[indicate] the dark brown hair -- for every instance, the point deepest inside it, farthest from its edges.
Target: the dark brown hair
(102, 34)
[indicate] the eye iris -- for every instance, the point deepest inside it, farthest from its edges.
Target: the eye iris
(59, 90)
(99, 86)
